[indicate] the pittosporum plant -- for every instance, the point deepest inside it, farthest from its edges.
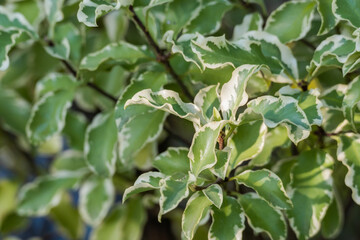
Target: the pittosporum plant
(223, 118)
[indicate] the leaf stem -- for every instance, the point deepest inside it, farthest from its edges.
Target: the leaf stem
(161, 57)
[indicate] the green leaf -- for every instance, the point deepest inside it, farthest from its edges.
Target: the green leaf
(215, 194)
(333, 221)
(285, 111)
(74, 130)
(262, 217)
(145, 182)
(347, 10)
(247, 142)
(125, 222)
(14, 110)
(197, 205)
(7, 40)
(151, 80)
(223, 157)
(173, 160)
(90, 10)
(333, 97)
(254, 48)
(70, 162)
(251, 22)
(120, 52)
(268, 185)
(351, 99)
(209, 18)
(207, 99)
(168, 101)
(348, 153)
(332, 52)
(96, 196)
(292, 20)
(48, 116)
(179, 13)
(202, 151)
(11, 21)
(138, 131)
(228, 221)
(233, 93)
(352, 63)
(308, 101)
(54, 82)
(101, 144)
(275, 138)
(173, 190)
(328, 19)
(38, 197)
(311, 192)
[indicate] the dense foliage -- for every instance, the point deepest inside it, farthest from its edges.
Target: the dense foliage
(227, 119)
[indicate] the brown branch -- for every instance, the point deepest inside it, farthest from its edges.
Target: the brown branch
(161, 56)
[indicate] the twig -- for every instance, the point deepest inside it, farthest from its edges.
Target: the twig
(161, 57)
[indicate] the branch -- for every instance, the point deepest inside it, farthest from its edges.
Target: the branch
(161, 57)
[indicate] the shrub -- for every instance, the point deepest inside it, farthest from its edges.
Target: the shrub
(219, 115)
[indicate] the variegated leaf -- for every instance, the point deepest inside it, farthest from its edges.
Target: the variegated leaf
(54, 82)
(292, 20)
(48, 116)
(333, 221)
(202, 151)
(207, 99)
(310, 192)
(196, 207)
(95, 199)
(351, 99)
(228, 221)
(347, 10)
(215, 194)
(262, 217)
(70, 162)
(172, 161)
(328, 19)
(285, 111)
(120, 52)
(221, 168)
(145, 182)
(268, 185)
(8, 40)
(168, 101)
(251, 22)
(39, 196)
(53, 13)
(247, 141)
(333, 97)
(100, 144)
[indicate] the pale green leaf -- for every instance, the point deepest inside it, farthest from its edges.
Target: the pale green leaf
(120, 52)
(268, 185)
(215, 194)
(228, 221)
(292, 20)
(262, 217)
(100, 144)
(145, 182)
(285, 111)
(138, 131)
(328, 19)
(48, 116)
(38, 197)
(74, 130)
(125, 222)
(70, 162)
(311, 192)
(351, 99)
(197, 205)
(173, 160)
(54, 82)
(202, 151)
(247, 142)
(348, 152)
(347, 10)
(169, 101)
(96, 196)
